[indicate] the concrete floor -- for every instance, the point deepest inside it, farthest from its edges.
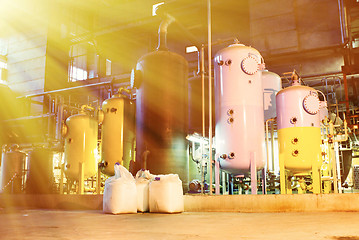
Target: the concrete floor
(93, 224)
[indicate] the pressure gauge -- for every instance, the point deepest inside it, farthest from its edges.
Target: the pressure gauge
(250, 65)
(311, 103)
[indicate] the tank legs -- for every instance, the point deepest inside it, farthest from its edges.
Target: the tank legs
(98, 180)
(316, 178)
(62, 179)
(253, 173)
(216, 176)
(81, 178)
(282, 176)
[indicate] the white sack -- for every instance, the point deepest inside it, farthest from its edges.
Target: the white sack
(120, 194)
(143, 178)
(166, 194)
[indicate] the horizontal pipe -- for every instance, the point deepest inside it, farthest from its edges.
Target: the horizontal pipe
(71, 89)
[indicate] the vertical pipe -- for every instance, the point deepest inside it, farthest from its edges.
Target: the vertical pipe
(203, 93)
(333, 159)
(224, 188)
(216, 177)
(60, 118)
(203, 115)
(264, 182)
(81, 178)
(210, 93)
(61, 187)
(98, 181)
(337, 157)
(272, 143)
(346, 94)
(340, 7)
(253, 173)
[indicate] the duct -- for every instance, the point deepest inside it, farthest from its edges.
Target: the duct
(168, 19)
(162, 32)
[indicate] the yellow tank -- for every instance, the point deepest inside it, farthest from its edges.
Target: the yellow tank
(81, 146)
(299, 128)
(299, 147)
(118, 133)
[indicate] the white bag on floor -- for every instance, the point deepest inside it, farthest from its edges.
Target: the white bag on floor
(143, 178)
(120, 195)
(166, 194)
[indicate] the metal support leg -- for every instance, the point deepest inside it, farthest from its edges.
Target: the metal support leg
(282, 176)
(98, 181)
(61, 187)
(224, 185)
(316, 181)
(253, 173)
(288, 182)
(81, 178)
(230, 179)
(264, 181)
(216, 176)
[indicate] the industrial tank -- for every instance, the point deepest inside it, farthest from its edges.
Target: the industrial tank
(162, 113)
(272, 84)
(239, 109)
(81, 146)
(10, 108)
(195, 105)
(299, 128)
(118, 133)
(12, 169)
(39, 175)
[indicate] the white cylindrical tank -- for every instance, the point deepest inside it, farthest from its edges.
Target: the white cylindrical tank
(12, 168)
(272, 84)
(298, 123)
(81, 146)
(118, 133)
(239, 109)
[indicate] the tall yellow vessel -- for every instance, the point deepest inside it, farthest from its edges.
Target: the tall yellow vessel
(81, 155)
(299, 135)
(118, 133)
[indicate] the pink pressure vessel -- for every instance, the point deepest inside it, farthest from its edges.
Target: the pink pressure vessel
(239, 129)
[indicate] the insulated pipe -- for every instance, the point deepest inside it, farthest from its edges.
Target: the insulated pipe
(162, 32)
(71, 89)
(203, 93)
(341, 19)
(201, 69)
(272, 144)
(168, 19)
(267, 141)
(210, 94)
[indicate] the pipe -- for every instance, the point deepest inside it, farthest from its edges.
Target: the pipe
(346, 93)
(210, 93)
(342, 30)
(272, 144)
(162, 32)
(203, 93)
(84, 107)
(126, 92)
(70, 89)
(144, 158)
(267, 141)
(60, 118)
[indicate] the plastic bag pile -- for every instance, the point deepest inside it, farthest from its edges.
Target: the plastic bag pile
(146, 192)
